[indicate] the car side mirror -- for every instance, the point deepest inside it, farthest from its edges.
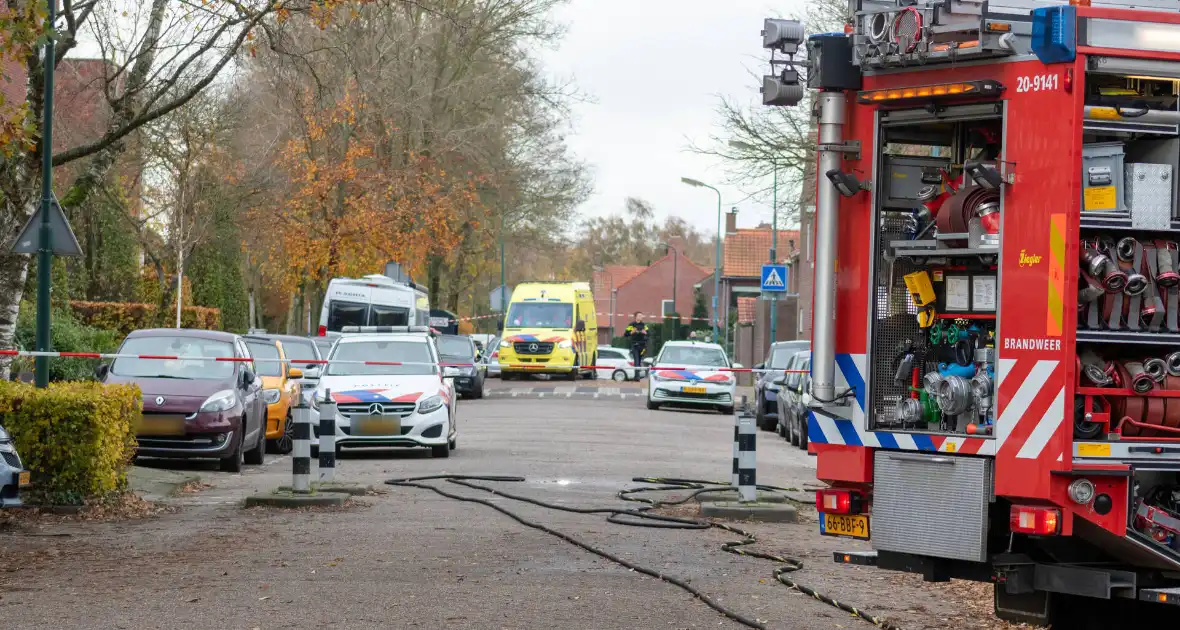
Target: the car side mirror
(294, 373)
(311, 371)
(737, 366)
(780, 381)
(101, 371)
(649, 361)
(759, 366)
(247, 376)
(580, 326)
(500, 325)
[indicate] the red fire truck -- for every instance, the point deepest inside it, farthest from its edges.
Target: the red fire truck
(996, 347)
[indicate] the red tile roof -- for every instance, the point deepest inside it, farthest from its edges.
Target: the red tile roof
(747, 250)
(614, 276)
(747, 308)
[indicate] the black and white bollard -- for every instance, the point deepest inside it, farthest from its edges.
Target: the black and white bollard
(301, 454)
(736, 415)
(746, 459)
(327, 438)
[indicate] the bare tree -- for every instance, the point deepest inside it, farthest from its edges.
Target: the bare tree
(763, 137)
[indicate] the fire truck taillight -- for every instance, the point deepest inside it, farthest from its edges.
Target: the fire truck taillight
(1034, 520)
(968, 89)
(838, 501)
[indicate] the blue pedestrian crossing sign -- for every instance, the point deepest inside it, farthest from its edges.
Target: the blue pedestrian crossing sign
(774, 278)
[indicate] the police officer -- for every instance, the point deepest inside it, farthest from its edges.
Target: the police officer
(637, 333)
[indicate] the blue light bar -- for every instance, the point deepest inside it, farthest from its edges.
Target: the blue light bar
(1054, 33)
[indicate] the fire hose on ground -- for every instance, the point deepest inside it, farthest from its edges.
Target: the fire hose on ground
(642, 517)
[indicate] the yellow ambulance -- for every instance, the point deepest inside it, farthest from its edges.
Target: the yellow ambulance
(550, 328)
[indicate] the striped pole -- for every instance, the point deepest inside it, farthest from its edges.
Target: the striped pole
(734, 479)
(301, 455)
(747, 457)
(327, 438)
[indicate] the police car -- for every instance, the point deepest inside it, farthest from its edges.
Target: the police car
(694, 374)
(389, 390)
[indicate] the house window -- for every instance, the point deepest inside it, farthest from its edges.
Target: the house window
(667, 307)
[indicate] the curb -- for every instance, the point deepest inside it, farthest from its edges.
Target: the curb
(281, 499)
(343, 488)
(761, 512)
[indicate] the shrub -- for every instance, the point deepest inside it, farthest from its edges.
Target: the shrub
(66, 334)
(125, 317)
(76, 438)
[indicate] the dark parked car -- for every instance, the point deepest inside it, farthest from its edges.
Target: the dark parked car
(765, 390)
(461, 349)
(194, 407)
(792, 410)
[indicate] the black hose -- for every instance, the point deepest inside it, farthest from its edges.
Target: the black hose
(641, 517)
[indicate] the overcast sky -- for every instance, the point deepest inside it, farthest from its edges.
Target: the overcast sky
(655, 70)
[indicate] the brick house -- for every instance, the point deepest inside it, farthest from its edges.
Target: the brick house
(645, 289)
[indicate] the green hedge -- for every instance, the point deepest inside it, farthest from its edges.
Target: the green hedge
(125, 317)
(66, 334)
(76, 438)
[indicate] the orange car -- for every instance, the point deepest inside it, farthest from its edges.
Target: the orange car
(280, 390)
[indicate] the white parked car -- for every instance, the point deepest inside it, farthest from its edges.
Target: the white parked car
(692, 373)
(412, 404)
(617, 364)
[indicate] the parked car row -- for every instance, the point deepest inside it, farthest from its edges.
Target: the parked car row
(238, 408)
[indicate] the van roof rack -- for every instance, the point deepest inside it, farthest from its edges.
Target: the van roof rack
(388, 329)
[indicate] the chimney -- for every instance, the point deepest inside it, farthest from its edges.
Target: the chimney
(731, 222)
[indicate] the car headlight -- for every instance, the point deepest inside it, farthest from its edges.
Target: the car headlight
(221, 401)
(427, 405)
(271, 396)
(566, 344)
(4, 437)
(504, 343)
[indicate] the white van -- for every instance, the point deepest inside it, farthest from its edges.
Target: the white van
(373, 300)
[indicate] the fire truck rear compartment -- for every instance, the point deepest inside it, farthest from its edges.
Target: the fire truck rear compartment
(933, 324)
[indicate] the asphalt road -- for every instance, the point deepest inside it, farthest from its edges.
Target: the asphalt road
(410, 558)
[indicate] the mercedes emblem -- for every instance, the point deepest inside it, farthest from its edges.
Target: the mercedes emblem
(159, 400)
(533, 347)
(375, 409)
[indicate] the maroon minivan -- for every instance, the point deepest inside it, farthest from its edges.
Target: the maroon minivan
(194, 406)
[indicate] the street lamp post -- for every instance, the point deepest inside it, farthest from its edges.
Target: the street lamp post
(717, 263)
(773, 232)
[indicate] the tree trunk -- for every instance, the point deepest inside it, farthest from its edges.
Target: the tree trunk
(251, 319)
(292, 313)
(16, 186)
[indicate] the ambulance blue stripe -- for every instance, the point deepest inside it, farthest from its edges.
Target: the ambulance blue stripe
(852, 377)
(887, 440)
(849, 432)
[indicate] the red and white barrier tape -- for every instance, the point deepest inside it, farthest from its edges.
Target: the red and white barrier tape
(529, 366)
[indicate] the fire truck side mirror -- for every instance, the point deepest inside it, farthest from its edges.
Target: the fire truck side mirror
(846, 184)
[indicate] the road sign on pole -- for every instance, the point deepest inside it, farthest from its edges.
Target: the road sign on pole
(62, 239)
(498, 297)
(774, 278)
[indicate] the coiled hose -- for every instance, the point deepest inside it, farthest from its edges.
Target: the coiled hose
(641, 517)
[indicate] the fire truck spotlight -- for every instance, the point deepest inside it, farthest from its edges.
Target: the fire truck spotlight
(985, 176)
(846, 183)
(1034, 520)
(1081, 491)
(782, 35)
(783, 90)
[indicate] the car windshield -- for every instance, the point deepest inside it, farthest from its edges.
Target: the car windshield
(182, 368)
(415, 354)
(539, 315)
(781, 355)
(693, 356)
(298, 351)
(265, 350)
(456, 348)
